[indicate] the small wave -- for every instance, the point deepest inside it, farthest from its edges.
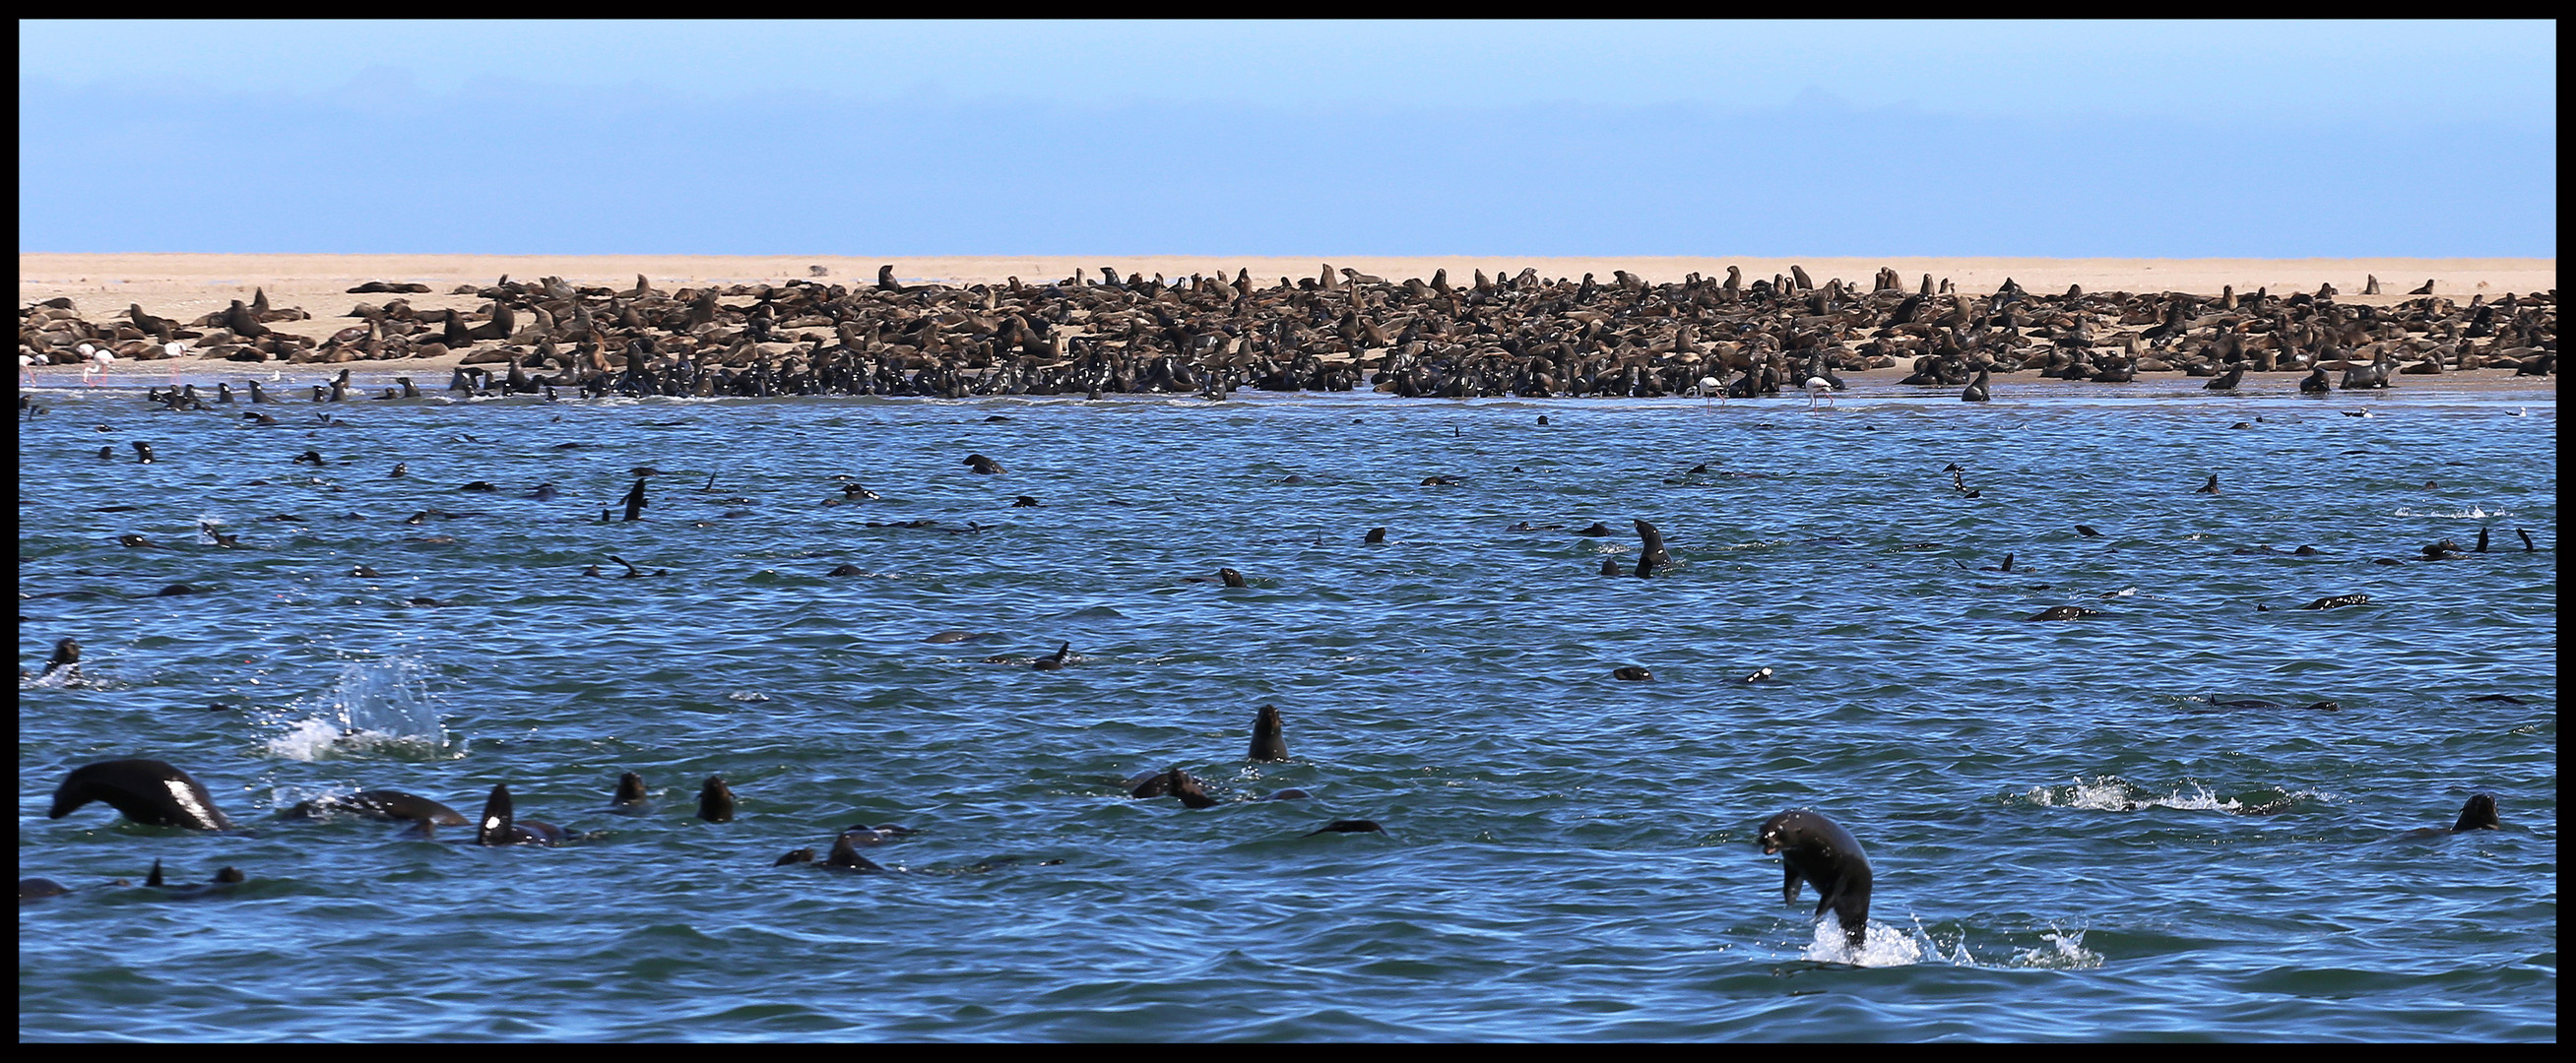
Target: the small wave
(746, 696)
(2472, 513)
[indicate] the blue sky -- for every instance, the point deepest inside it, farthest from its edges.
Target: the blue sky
(921, 138)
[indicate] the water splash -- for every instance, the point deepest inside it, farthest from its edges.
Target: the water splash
(1885, 946)
(2110, 793)
(381, 706)
(2060, 950)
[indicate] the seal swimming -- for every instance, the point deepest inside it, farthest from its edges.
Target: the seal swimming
(378, 804)
(1819, 850)
(715, 800)
(1651, 556)
(500, 827)
(1269, 740)
(149, 792)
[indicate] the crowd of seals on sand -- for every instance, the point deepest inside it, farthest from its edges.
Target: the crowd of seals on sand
(1338, 331)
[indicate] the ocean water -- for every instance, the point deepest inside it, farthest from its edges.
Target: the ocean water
(2069, 840)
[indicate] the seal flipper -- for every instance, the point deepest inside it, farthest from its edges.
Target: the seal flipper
(845, 856)
(1789, 884)
(153, 879)
(496, 828)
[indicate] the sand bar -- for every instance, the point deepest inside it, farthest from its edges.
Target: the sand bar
(188, 285)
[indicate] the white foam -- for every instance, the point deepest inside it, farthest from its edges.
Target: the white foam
(1885, 946)
(2062, 950)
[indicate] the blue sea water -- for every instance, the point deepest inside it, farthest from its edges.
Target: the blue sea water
(2069, 839)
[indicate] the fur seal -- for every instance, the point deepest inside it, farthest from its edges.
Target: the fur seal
(984, 466)
(1632, 674)
(149, 792)
(66, 659)
(2478, 814)
(635, 500)
(1231, 577)
(715, 800)
(1819, 850)
(221, 885)
(379, 804)
(2209, 488)
(1348, 826)
(2063, 612)
(2338, 601)
(1053, 661)
(30, 889)
(630, 797)
(499, 827)
(1651, 555)
(1269, 739)
(1375, 535)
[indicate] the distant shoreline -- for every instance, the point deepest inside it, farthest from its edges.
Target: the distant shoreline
(186, 286)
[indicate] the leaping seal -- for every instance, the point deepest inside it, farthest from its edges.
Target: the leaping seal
(149, 792)
(1819, 850)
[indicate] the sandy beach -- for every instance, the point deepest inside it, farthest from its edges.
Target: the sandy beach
(185, 286)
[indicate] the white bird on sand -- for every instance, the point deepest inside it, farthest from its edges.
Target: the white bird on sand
(1818, 387)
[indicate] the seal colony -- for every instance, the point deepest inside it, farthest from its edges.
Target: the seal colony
(1511, 334)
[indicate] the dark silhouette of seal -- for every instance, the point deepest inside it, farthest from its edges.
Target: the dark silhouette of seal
(66, 659)
(149, 792)
(1375, 535)
(635, 500)
(2478, 814)
(1348, 826)
(715, 800)
(1651, 555)
(378, 804)
(1759, 675)
(1231, 577)
(630, 797)
(1819, 850)
(499, 827)
(2209, 488)
(219, 886)
(2063, 612)
(2338, 601)
(30, 889)
(1055, 660)
(1269, 739)
(845, 855)
(984, 466)
(1632, 674)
